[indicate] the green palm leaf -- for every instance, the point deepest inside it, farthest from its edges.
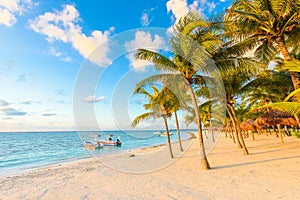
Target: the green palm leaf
(292, 94)
(142, 117)
(292, 66)
(293, 108)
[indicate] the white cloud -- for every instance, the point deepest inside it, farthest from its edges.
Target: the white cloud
(54, 52)
(22, 78)
(8, 111)
(30, 102)
(59, 54)
(93, 99)
(10, 8)
(3, 103)
(180, 8)
(205, 4)
(143, 40)
(67, 59)
(146, 17)
(48, 114)
(63, 26)
(11, 111)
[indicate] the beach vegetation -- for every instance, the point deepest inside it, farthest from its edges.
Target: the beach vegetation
(159, 105)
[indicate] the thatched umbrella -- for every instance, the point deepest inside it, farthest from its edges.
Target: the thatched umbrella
(247, 125)
(291, 122)
(277, 118)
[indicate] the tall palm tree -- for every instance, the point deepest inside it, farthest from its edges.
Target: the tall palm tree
(185, 66)
(234, 85)
(229, 58)
(187, 74)
(267, 25)
(192, 53)
(174, 107)
(205, 109)
(158, 106)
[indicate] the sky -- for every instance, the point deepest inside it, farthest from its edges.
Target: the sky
(69, 65)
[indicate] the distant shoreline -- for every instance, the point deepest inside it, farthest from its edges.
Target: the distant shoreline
(12, 172)
(68, 131)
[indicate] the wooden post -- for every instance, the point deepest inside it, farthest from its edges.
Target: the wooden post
(280, 134)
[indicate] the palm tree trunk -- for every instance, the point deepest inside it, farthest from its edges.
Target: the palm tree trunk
(178, 131)
(204, 161)
(287, 57)
(235, 129)
(168, 136)
(280, 134)
(245, 150)
(212, 129)
(232, 134)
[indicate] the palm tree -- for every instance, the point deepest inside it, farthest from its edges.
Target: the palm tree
(174, 106)
(205, 109)
(270, 26)
(234, 85)
(182, 63)
(230, 59)
(159, 107)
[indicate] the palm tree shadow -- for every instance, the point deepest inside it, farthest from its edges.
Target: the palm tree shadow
(255, 162)
(276, 150)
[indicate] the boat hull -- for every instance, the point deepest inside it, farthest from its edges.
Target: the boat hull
(92, 145)
(109, 143)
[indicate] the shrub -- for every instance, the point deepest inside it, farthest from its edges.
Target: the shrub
(296, 133)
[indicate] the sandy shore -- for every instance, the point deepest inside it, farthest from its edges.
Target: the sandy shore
(271, 172)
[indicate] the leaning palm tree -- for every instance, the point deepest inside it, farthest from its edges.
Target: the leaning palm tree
(205, 110)
(158, 106)
(174, 107)
(268, 26)
(191, 59)
(234, 85)
(188, 74)
(229, 57)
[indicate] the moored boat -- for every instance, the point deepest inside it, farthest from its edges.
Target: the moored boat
(92, 145)
(162, 133)
(109, 143)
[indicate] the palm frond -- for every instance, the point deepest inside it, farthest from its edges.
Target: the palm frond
(142, 117)
(292, 94)
(161, 62)
(293, 108)
(266, 52)
(292, 66)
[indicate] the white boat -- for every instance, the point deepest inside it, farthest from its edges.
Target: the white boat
(109, 143)
(158, 133)
(97, 143)
(92, 145)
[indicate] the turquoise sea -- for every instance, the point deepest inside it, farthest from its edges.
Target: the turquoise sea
(26, 150)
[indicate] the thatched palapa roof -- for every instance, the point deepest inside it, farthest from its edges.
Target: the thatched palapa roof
(247, 125)
(275, 117)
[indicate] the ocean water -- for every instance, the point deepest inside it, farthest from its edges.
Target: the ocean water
(26, 150)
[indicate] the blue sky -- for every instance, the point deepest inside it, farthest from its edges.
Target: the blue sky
(51, 50)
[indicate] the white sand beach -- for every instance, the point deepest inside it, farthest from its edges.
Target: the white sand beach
(270, 172)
